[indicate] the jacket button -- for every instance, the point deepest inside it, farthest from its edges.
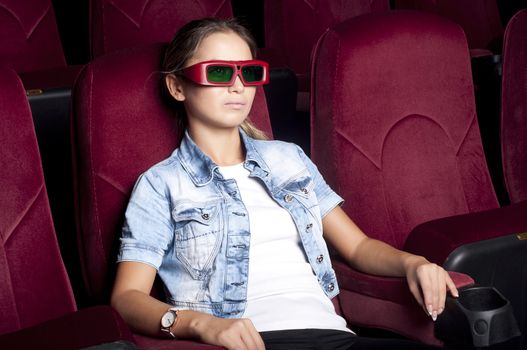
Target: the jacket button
(205, 216)
(288, 198)
(320, 258)
(308, 227)
(330, 287)
(304, 190)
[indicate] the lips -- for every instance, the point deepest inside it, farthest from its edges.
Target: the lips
(235, 104)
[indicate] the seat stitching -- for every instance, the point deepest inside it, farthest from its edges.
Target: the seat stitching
(11, 289)
(28, 32)
(98, 239)
(21, 216)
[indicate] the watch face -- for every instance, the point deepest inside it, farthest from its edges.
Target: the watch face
(168, 319)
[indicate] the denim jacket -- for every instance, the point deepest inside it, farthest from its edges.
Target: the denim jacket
(190, 223)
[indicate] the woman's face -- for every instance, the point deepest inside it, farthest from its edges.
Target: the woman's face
(216, 107)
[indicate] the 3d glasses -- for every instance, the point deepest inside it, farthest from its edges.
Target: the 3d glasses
(224, 73)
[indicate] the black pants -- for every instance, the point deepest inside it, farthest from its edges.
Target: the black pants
(323, 339)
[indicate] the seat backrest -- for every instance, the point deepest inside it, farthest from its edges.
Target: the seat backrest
(480, 19)
(121, 127)
(29, 36)
(393, 122)
(292, 27)
(34, 286)
(117, 24)
(514, 107)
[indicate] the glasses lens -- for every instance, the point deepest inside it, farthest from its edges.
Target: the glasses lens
(252, 74)
(219, 74)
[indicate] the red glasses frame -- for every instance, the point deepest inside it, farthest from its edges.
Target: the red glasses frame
(198, 72)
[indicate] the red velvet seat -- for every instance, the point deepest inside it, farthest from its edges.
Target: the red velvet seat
(121, 127)
(514, 108)
(36, 300)
(292, 28)
(117, 24)
(394, 130)
(31, 44)
(30, 38)
(480, 19)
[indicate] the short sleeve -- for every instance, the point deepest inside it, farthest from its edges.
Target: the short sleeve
(148, 229)
(327, 198)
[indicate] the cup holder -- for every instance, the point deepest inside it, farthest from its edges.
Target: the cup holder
(480, 316)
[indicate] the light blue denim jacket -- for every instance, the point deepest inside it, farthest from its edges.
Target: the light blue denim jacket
(190, 223)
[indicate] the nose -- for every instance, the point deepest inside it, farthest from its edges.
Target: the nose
(237, 86)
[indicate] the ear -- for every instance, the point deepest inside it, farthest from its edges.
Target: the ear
(175, 87)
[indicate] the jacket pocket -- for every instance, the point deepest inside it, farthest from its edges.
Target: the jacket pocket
(198, 235)
(301, 187)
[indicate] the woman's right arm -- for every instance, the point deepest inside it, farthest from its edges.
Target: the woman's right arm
(131, 298)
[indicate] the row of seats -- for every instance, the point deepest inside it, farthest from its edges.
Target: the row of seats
(32, 42)
(291, 28)
(396, 135)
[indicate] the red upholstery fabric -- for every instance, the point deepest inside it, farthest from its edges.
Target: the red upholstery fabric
(394, 131)
(36, 300)
(62, 77)
(394, 289)
(34, 284)
(452, 232)
(117, 24)
(29, 36)
(88, 327)
(292, 28)
(514, 108)
(121, 127)
(364, 298)
(394, 126)
(480, 20)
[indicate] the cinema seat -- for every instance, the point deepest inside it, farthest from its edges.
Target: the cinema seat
(395, 132)
(483, 27)
(121, 127)
(480, 20)
(514, 108)
(292, 28)
(31, 44)
(36, 300)
(117, 24)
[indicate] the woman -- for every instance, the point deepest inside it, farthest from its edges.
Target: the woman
(233, 223)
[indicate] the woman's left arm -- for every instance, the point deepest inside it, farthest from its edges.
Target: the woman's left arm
(428, 282)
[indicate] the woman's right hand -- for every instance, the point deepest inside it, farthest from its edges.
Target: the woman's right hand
(232, 334)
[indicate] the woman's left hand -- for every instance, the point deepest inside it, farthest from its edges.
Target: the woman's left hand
(429, 284)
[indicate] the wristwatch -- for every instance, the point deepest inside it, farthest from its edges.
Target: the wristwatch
(167, 321)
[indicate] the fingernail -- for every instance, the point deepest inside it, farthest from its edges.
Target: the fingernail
(440, 311)
(430, 309)
(434, 315)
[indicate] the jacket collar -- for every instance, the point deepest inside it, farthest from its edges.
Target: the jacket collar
(201, 168)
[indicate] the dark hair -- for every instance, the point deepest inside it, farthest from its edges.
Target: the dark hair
(183, 47)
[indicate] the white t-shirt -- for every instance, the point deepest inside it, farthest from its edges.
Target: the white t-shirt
(282, 292)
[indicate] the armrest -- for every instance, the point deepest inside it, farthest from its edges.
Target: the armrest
(145, 342)
(84, 328)
(387, 288)
(438, 238)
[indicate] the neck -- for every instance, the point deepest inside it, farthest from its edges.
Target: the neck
(223, 146)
